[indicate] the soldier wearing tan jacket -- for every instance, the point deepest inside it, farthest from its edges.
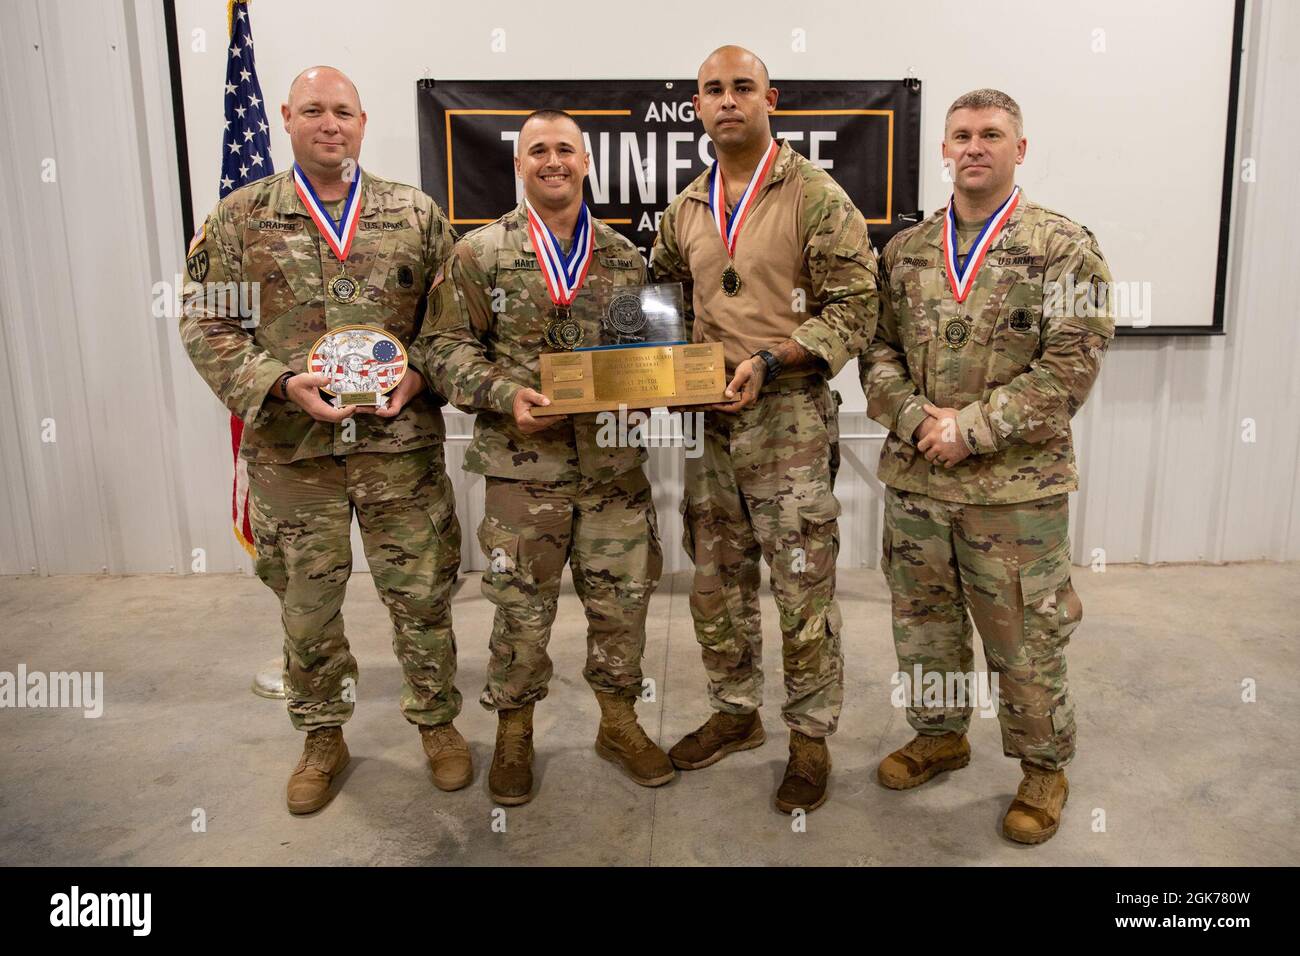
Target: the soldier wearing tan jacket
(992, 333)
(790, 291)
(311, 465)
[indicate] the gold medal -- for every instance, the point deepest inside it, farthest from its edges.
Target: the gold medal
(343, 288)
(956, 333)
(730, 281)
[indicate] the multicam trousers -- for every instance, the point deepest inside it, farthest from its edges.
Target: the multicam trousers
(301, 514)
(1009, 566)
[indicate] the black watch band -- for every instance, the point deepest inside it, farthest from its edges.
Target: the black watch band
(773, 364)
(281, 386)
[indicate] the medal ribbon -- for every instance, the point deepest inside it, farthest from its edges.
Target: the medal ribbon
(337, 235)
(963, 279)
(729, 226)
(564, 274)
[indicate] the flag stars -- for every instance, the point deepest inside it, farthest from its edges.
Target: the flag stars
(262, 127)
(234, 146)
(240, 13)
(243, 172)
(257, 159)
(254, 102)
(230, 88)
(248, 134)
(227, 182)
(236, 51)
(244, 75)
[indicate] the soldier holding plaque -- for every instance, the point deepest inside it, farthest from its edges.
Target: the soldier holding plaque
(555, 494)
(778, 267)
(334, 419)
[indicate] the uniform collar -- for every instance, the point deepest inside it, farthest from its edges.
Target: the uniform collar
(933, 227)
(286, 201)
(786, 157)
(605, 235)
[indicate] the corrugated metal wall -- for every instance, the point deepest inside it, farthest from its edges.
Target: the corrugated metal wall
(137, 476)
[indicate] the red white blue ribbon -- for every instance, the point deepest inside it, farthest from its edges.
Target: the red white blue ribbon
(337, 234)
(564, 274)
(963, 279)
(729, 225)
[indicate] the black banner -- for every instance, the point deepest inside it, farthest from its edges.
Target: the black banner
(647, 144)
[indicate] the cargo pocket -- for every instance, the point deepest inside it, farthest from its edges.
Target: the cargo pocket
(446, 534)
(1052, 608)
(688, 529)
(268, 563)
(501, 549)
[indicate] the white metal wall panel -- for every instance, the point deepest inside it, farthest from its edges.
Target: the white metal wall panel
(140, 474)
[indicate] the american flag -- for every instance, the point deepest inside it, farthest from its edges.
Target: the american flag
(245, 157)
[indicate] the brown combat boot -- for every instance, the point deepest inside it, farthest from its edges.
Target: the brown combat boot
(720, 735)
(448, 756)
(1035, 814)
(922, 758)
(324, 755)
(621, 740)
(806, 774)
(510, 781)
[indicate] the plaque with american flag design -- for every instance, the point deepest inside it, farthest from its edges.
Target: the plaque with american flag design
(361, 362)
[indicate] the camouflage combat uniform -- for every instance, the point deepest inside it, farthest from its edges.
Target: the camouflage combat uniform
(552, 497)
(306, 477)
(763, 486)
(988, 535)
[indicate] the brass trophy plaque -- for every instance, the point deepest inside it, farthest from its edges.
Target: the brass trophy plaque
(642, 360)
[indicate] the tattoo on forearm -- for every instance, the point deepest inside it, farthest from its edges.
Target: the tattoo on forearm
(792, 354)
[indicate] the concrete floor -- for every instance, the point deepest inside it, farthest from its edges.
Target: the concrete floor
(1185, 772)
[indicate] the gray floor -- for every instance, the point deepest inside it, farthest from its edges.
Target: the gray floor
(1182, 769)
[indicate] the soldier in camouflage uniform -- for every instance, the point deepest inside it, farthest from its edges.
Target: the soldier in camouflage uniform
(977, 395)
(554, 494)
(311, 465)
(793, 304)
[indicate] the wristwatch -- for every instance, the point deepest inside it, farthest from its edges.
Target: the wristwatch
(773, 364)
(280, 390)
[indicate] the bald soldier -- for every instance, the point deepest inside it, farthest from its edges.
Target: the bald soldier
(778, 269)
(982, 356)
(554, 493)
(312, 465)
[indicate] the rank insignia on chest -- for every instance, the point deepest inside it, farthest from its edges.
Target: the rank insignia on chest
(956, 333)
(405, 277)
(1022, 320)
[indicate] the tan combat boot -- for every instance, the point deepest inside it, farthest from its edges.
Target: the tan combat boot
(720, 735)
(621, 740)
(1035, 814)
(922, 758)
(324, 756)
(806, 774)
(510, 781)
(448, 756)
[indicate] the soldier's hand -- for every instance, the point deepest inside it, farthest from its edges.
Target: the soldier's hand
(525, 400)
(304, 391)
(745, 386)
(943, 442)
(409, 387)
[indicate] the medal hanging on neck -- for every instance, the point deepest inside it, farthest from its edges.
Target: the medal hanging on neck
(962, 279)
(729, 225)
(564, 274)
(342, 288)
